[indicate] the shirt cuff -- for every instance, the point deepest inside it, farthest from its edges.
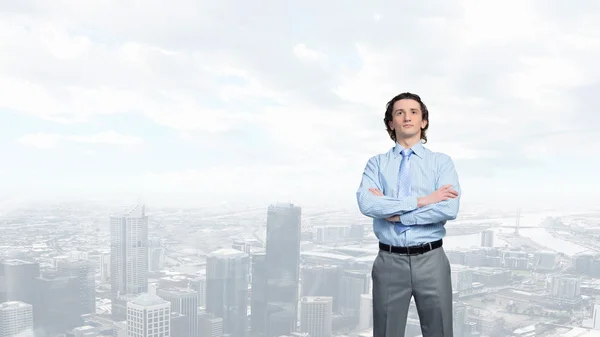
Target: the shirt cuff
(411, 203)
(408, 219)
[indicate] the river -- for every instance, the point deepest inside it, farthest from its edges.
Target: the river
(538, 235)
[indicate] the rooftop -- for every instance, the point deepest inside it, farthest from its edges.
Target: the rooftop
(148, 300)
(13, 305)
(227, 252)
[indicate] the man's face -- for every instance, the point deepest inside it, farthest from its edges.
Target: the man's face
(407, 120)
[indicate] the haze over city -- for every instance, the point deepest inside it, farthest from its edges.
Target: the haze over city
(154, 151)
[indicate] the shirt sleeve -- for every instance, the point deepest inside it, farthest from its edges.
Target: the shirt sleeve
(442, 211)
(380, 207)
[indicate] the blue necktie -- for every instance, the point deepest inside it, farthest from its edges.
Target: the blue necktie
(403, 184)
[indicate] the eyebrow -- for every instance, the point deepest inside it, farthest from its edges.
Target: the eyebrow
(412, 109)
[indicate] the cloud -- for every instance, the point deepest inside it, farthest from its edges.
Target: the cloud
(303, 53)
(306, 93)
(52, 140)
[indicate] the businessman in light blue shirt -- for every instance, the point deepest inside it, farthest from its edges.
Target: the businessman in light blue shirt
(410, 192)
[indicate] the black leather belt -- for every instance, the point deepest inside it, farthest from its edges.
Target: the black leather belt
(413, 250)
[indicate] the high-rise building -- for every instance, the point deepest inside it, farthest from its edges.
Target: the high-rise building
(321, 280)
(365, 320)
(16, 319)
(18, 279)
(462, 277)
(129, 257)
(353, 284)
(258, 299)
(565, 288)
(227, 289)
(210, 325)
(316, 316)
(183, 301)
(148, 316)
(459, 318)
(102, 264)
(487, 238)
(84, 282)
(282, 268)
(596, 317)
(156, 255)
(63, 295)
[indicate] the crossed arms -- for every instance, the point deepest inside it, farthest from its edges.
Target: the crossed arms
(440, 206)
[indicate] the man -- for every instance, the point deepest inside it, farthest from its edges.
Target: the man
(410, 192)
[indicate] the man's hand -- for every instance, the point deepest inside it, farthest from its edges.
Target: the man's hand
(443, 193)
(377, 192)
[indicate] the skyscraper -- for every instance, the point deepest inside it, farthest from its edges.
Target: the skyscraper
(183, 301)
(282, 268)
(227, 289)
(18, 279)
(258, 301)
(129, 257)
(16, 319)
(148, 316)
(316, 315)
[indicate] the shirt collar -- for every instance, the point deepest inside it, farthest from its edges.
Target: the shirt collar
(418, 149)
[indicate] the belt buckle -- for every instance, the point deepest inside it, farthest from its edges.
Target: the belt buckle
(390, 249)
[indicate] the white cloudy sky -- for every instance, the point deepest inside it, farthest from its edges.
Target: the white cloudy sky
(259, 101)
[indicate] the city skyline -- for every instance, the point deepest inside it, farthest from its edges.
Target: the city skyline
(541, 277)
(190, 168)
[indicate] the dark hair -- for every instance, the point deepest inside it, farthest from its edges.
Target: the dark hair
(389, 111)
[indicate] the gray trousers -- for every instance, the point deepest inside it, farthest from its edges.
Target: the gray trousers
(397, 278)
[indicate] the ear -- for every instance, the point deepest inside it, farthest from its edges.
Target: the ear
(391, 125)
(423, 124)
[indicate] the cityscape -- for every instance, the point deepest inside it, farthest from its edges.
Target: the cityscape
(189, 168)
(76, 269)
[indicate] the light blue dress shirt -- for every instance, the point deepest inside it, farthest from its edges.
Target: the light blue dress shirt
(428, 171)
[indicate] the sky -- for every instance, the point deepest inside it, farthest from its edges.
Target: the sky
(206, 102)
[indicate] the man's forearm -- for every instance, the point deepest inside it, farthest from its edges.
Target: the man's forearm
(422, 202)
(434, 213)
(383, 207)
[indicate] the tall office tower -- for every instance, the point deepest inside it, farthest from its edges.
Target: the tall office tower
(148, 316)
(183, 301)
(353, 284)
(316, 316)
(156, 255)
(365, 320)
(129, 258)
(62, 296)
(258, 296)
(84, 283)
(199, 284)
(227, 289)
(321, 280)
(487, 238)
(120, 329)
(210, 325)
(283, 268)
(459, 317)
(102, 264)
(16, 319)
(18, 277)
(596, 317)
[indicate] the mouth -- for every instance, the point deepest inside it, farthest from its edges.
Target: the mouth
(407, 125)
